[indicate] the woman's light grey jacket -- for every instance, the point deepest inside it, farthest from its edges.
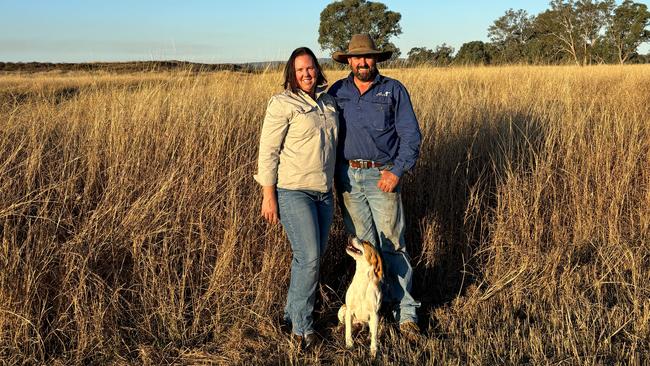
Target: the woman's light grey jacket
(298, 141)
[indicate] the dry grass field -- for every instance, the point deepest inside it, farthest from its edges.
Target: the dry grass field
(131, 232)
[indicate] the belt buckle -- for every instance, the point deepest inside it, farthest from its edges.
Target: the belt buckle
(364, 164)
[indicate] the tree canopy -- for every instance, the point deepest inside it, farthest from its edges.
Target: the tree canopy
(628, 29)
(510, 33)
(474, 53)
(342, 19)
(442, 55)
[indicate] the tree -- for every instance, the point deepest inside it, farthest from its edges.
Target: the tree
(420, 55)
(342, 19)
(510, 33)
(592, 17)
(577, 27)
(628, 29)
(443, 55)
(542, 48)
(474, 53)
(561, 24)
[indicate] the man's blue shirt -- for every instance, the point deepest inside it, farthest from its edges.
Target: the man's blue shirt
(379, 125)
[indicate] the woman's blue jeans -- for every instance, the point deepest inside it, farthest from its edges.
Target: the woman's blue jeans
(306, 217)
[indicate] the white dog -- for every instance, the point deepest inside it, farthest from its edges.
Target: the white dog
(363, 298)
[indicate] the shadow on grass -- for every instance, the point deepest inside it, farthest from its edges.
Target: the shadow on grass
(448, 199)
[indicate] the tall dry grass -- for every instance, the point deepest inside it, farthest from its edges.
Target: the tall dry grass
(131, 233)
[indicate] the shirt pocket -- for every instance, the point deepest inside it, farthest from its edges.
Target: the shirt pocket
(304, 123)
(382, 113)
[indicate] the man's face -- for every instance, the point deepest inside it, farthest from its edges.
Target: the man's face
(364, 68)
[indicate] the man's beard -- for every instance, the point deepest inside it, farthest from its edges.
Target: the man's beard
(367, 76)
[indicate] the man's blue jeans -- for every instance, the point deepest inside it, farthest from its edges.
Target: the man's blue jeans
(378, 217)
(306, 217)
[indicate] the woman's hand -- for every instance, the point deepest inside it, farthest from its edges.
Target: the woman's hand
(270, 205)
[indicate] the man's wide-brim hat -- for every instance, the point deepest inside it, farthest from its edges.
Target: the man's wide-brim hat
(361, 45)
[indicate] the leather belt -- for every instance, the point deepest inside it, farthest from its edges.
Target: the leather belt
(364, 164)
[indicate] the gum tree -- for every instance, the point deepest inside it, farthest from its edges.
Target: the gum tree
(341, 19)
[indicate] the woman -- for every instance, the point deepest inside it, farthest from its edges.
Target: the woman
(296, 169)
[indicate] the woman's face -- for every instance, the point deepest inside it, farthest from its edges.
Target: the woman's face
(305, 73)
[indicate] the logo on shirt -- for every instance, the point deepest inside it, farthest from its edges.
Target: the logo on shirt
(384, 94)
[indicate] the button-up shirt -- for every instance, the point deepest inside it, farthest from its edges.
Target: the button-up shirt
(378, 125)
(298, 141)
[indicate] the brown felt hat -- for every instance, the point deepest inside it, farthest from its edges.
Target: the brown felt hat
(361, 45)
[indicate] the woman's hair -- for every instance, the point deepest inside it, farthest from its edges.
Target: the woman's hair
(290, 81)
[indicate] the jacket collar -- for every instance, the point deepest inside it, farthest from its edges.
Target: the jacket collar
(320, 90)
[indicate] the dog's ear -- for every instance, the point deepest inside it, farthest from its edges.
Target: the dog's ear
(374, 258)
(379, 266)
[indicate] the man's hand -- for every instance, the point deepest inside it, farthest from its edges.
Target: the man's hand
(388, 181)
(270, 205)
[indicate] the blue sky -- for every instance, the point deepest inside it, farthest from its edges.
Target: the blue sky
(217, 31)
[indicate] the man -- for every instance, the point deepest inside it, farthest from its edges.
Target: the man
(379, 141)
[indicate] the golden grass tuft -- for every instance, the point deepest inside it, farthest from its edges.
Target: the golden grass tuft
(131, 233)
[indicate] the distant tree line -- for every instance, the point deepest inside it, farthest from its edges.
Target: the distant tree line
(127, 67)
(581, 32)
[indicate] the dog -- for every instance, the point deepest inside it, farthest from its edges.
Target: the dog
(363, 297)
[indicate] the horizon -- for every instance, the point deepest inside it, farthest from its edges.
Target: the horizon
(205, 32)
